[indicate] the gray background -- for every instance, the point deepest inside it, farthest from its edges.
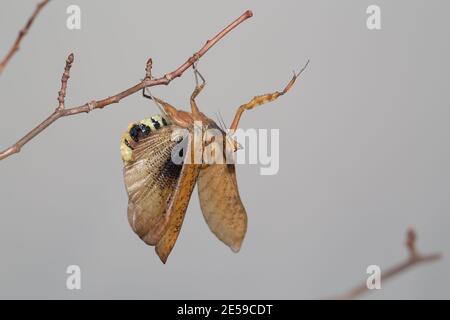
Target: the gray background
(363, 141)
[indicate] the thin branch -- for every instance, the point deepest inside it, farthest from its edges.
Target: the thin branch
(146, 82)
(22, 34)
(65, 77)
(414, 258)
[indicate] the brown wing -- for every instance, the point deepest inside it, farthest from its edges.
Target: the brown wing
(150, 179)
(221, 205)
(177, 209)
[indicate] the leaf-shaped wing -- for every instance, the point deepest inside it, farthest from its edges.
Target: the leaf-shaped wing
(150, 179)
(221, 205)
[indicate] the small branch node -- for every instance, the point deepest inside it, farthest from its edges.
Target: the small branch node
(148, 69)
(196, 56)
(92, 105)
(411, 244)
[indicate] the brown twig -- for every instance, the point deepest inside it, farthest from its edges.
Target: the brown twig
(146, 82)
(414, 258)
(65, 77)
(22, 34)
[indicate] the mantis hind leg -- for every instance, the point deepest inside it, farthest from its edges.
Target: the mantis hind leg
(262, 99)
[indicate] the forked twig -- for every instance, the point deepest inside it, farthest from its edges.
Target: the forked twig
(414, 258)
(146, 82)
(22, 34)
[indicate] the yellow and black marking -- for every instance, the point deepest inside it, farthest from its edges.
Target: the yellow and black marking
(137, 131)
